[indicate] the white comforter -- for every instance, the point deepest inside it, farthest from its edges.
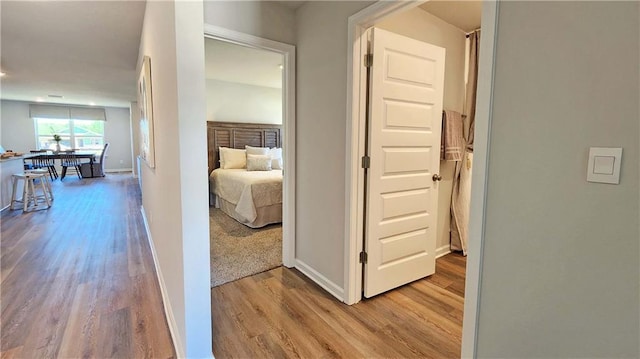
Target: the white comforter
(248, 190)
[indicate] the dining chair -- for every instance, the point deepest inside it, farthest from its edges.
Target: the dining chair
(69, 159)
(45, 162)
(98, 167)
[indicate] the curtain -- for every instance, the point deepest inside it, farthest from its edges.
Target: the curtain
(461, 195)
(67, 112)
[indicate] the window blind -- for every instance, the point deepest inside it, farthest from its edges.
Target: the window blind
(67, 112)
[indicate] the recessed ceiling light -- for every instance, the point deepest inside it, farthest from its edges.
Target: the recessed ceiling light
(2, 74)
(92, 103)
(280, 67)
(39, 99)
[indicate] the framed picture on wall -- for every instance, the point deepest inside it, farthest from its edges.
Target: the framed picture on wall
(145, 104)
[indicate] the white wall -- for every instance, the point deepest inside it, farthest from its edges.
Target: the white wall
(18, 132)
(561, 256)
(135, 135)
(117, 131)
(235, 102)
(421, 25)
(174, 192)
(265, 19)
(17, 129)
(321, 38)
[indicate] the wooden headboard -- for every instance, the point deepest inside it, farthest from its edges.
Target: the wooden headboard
(237, 135)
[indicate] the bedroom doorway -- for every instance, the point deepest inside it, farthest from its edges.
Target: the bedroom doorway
(251, 131)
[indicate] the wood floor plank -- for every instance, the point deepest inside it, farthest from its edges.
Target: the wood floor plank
(14, 353)
(84, 324)
(114, 335)
(283, 321)
(293, 317)
(45, 336)
(78, 279)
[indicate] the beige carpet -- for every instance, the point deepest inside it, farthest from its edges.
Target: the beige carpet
(238, 251)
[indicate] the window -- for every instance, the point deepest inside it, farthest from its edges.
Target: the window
(75, 134)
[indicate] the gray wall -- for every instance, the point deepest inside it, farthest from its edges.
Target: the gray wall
(266, 19)
(560, 276)
(321, 132)
(174, 192)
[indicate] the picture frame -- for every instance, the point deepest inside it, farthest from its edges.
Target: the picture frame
(145, 106)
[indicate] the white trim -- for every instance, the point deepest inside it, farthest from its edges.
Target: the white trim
(354, 147)
(289, 120)
(321, 280)
(354, 199)
(171, 321)
(443, 251)
(117, 170)
(479, 180)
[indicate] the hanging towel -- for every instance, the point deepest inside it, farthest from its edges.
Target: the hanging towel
(452, 146)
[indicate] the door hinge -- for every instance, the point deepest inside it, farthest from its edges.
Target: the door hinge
(366, 161)
(368, 60)
(363, 257)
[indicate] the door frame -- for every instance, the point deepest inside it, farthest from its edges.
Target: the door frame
(289, 123)
(354, 196)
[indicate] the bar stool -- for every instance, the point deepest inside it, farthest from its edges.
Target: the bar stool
(46, 180)
(29, 193)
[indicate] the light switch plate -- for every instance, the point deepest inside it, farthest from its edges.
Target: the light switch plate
(604, 165)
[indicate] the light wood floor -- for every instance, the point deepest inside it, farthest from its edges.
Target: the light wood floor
(78, 280)
(282, 314)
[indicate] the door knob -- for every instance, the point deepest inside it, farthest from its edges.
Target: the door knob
(437, 177)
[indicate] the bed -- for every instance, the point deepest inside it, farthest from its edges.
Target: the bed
(253, 198)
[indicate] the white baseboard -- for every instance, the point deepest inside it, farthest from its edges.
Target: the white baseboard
(116, 170)
(443, 251)
(171, 321)
(321, 280)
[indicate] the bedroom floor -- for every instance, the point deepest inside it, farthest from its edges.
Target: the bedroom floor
(238, 251)
(281, 313)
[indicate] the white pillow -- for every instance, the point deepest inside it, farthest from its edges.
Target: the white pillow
(220, 158)
(232, 158)
(258, 163)
(276, 158)
(261, 151)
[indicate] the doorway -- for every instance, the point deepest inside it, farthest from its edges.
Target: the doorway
(287, 133)
(358, 24)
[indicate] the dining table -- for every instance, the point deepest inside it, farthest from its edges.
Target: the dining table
(80, 155)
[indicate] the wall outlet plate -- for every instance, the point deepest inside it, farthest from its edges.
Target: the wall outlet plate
(604, 165)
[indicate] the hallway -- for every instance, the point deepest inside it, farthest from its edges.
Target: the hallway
(78, 280)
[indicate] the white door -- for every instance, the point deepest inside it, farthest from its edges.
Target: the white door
(407, 79)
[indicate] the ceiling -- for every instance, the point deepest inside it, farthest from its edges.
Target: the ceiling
(465, 14)
(293, 4)
(85, 51)
(236, 63)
